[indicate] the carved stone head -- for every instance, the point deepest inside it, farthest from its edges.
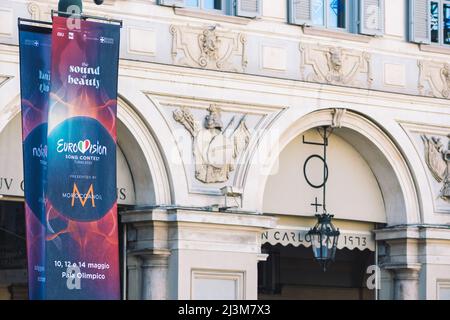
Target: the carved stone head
(213, 119)
(335, 58)
(445, 71)
(209, 42)
(438, 144)
(447, 153)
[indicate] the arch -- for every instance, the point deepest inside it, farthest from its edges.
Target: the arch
(353, 192)
(150, 179)
(167, 168)
(377, 148)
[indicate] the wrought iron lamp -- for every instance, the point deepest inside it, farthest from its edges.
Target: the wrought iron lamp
(323, 236)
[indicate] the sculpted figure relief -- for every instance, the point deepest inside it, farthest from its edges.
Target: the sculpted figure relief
(215, 148)
(334, 58)
(438, 161)
(434, 78)
(446, 75)
(212, 47)
(209, 44)
(335, 65)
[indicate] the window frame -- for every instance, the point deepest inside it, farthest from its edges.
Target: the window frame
(326, 13)
(440, 43)
(201, 6)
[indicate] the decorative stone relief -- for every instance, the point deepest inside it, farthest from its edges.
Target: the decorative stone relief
(3, 80)
(438, 162)
(209, 48)
(337, 117)
(34, 10)
(215, 148)
(437, 76)
(335, 65)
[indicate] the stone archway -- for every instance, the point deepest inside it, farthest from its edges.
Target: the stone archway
(142, 176)
(150, 177)
(390, 168)
(393, 180)
(353, 192)
(382, 181)
(138, 154)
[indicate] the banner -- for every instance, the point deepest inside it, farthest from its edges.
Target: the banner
(35, 49)
(81, 205)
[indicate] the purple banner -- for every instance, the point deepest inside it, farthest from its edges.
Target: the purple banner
(82, 259)
(35, 50)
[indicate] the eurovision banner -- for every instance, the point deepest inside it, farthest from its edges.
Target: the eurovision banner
(81, 201)
(35, 50)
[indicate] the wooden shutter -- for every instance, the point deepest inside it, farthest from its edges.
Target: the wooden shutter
(371, 17)
(248, 8)
(300, 12)
(172, 3)
(419, 21)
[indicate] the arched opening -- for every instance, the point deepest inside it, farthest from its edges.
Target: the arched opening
(134, 187)
(11, 166)
(353, 191)
(367, 188)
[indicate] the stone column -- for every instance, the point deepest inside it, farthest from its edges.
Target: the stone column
(147, 241)
(403, 259)
(132, 281)
(175, 243)
(406, 281)
(154, 274)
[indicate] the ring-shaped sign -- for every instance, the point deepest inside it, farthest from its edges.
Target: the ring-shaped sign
(326, 171)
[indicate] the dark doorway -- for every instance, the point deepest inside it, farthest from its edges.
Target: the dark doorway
(13, 251)
(291, 273)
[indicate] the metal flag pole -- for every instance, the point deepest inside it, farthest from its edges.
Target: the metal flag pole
(21, 21)
(74, 8)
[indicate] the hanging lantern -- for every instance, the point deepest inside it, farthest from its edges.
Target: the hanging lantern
(324, 238)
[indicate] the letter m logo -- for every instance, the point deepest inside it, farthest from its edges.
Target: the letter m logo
(76, 194)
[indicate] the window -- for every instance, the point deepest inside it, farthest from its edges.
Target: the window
(240, 8)
(440, 22)
(206, 4)
(430, 22)
(434, 22)
(329, 13)
(355, 16)
(446, 23)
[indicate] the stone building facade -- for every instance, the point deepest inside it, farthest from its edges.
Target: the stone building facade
(219, 97)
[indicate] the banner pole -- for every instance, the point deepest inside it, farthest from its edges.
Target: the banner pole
(21, 20)
(35, 64)
(82, 241)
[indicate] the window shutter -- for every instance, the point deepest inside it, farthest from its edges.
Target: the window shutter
(371, 17)
(172, 3)
(419, 21)
(300, 12)
(248, 8)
